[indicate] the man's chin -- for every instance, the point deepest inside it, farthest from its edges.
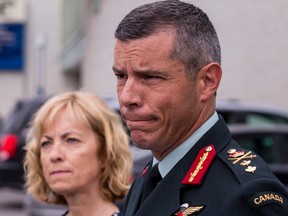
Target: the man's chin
(140, 143)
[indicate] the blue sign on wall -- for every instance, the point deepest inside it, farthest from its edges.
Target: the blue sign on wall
(11, 46)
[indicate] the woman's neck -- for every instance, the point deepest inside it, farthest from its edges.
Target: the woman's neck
(106, 209)
(96, 206)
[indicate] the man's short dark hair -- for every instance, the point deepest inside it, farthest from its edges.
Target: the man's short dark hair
(196, 41)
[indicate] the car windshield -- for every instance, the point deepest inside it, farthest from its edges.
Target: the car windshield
(20, 116)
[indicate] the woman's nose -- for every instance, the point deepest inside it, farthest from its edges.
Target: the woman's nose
(56, 153)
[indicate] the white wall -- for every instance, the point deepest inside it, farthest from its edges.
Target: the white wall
(253, 35)
(97, 65)
(11, 82)
(41, 19)
(11, 86)
(43, 24)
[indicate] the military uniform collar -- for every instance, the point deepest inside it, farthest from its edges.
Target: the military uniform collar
(177, 154)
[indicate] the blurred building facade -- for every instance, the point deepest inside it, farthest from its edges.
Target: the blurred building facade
(69, 45)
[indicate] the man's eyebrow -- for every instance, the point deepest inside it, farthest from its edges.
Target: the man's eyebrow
(148, 71)
(116, 70)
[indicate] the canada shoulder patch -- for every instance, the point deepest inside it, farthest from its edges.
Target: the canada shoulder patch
(267, 197)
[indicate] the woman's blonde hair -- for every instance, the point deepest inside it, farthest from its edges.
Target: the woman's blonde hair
(114, 151)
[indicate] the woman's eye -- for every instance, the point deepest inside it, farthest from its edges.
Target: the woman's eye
(45, 143)
(72, 140)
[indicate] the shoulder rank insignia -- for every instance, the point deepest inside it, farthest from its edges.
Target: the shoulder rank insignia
(186, 210)
(241, 157)
(200, 166)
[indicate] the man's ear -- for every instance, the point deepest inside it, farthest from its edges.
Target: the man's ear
(210, 76)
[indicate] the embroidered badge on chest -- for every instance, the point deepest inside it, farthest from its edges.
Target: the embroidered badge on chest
(242, 158)
(186, 209)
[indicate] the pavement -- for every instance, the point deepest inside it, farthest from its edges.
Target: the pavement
(12, 202)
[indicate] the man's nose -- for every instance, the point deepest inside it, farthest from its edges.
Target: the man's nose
(130, 95)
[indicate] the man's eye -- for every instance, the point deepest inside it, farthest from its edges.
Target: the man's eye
(120, 76)
(148, 77)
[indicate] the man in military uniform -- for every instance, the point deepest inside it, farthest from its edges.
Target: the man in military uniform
(168, 66)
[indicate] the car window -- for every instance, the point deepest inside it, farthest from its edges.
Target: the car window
(20, 116)
(229, 117)
(251, 118)
(257, 118)
(273, 148)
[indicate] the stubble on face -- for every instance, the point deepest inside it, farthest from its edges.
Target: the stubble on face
(151, 83)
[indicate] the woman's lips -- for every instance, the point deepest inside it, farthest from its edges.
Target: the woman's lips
(59, 172)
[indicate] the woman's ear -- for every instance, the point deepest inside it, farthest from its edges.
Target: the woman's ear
(210, 75)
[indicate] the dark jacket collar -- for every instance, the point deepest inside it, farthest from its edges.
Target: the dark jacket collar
(166, 198)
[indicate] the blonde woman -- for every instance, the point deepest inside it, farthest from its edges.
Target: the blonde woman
(78, 155)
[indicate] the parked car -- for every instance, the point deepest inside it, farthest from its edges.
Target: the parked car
(1, 122)
(248, 123)
(269, 141)
(239, 112)
(15, 127)
(16, 124)
(13, 130)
